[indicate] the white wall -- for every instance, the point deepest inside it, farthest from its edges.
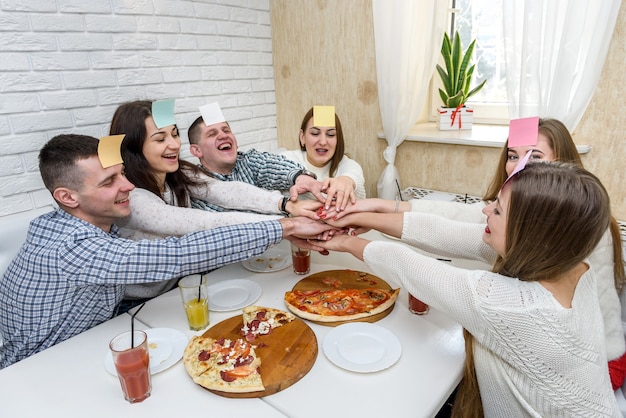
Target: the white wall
(65, 65)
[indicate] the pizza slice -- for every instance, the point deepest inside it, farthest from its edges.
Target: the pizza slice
(259, 320)
(224, 365)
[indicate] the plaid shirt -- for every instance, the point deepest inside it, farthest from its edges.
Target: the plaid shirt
(70, 275)
(262, 169)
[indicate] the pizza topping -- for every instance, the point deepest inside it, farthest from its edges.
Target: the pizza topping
(340, 304)
(261, 321)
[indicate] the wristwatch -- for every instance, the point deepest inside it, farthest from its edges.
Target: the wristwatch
(305, 172)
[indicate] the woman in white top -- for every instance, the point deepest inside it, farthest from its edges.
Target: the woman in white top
(554, 143)
(161, 202)
(322, 151)
(535, 337)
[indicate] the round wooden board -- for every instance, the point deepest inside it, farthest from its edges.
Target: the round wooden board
(350, 279)
(287, 353)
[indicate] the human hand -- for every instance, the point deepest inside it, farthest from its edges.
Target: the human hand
(304, 207)
(339, 192)
(305, 184)
(343, 243)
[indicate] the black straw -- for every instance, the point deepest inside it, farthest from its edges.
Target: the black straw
(200, 288)
(132, 326)
(399, 190)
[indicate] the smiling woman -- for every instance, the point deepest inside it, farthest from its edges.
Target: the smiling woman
(160, 205)
(322, 153)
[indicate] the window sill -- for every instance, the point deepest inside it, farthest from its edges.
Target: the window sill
(493, 136)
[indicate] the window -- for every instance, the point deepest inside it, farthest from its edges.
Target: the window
(481, 20)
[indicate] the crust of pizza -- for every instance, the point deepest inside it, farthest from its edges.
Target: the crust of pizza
(326, 315)
(204, 359)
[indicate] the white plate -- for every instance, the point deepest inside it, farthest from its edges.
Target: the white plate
(362, 347)
(165, 345)
(273, 259)
(230, 295)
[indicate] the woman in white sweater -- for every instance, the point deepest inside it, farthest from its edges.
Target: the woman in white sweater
(322, 151)
(554, 144)
(165, 185)
(536, 345)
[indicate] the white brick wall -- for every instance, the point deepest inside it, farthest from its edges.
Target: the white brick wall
(65, 65)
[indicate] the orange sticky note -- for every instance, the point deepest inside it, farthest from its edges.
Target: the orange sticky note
(523, 132)
(324, 116)
(109, 151)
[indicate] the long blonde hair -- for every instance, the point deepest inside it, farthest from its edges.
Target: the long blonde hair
(567, 210)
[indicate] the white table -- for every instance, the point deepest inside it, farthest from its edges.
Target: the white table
(429, 368)
(69, 380)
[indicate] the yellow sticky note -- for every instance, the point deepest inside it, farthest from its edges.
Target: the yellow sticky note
(109, 151)
(324, 116)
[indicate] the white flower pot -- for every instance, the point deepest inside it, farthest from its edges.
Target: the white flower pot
(451, 119)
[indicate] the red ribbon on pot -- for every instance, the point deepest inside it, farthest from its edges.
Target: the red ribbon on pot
(453, 116)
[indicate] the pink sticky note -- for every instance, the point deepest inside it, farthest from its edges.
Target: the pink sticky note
(523, 132)
(519, 167)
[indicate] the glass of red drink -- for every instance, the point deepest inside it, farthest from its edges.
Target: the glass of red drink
(132, 363)
(416, 306)
(301, 258)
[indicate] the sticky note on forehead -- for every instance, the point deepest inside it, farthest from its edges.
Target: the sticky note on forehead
(523, 132)
(211, 114)
(519, 167)
(324, 116)
(163, 113)
(109, 152)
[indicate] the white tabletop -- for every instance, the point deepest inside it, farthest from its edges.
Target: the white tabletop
(427, 372)
(69, 380)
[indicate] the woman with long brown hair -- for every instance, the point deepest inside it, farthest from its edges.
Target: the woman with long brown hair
(535, 328)
(554, 143)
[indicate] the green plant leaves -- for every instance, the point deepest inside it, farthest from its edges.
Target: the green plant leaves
(457, 76)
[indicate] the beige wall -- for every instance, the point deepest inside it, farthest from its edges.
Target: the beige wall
(324, 54)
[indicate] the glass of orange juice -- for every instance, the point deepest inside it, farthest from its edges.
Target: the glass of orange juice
(195, 295)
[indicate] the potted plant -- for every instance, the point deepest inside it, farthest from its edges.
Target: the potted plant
(456, 79)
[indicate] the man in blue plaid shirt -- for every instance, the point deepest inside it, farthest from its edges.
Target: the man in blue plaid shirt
(71, 272)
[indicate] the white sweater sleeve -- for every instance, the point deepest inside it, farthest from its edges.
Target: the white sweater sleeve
(236, 195)
(151, 216)
(466, 212)
(441, 236)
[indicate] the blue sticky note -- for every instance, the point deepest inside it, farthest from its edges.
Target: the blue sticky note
(163, 113)
(523, 132)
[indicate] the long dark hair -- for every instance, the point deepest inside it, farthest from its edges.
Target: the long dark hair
(130, 119)
(339, 149)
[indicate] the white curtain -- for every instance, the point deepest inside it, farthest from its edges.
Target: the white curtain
(408, 36)
(555, 50)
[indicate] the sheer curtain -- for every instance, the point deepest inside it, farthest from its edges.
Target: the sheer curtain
(408, 36)
(555, 50)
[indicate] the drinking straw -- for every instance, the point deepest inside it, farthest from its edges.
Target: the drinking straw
(132, 326)
(199, 288)
(399, 190)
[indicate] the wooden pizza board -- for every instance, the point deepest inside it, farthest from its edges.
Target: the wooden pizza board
(350, 279)
(287, 354)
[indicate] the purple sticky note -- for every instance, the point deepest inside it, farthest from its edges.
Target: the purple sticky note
(523, 132)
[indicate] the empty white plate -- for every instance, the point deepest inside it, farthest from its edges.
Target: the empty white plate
(362, 347)
(230, 295)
